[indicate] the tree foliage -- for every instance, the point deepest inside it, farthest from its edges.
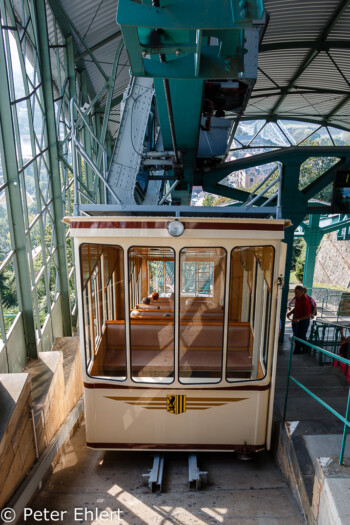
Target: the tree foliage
(208, 200)
(300, 254)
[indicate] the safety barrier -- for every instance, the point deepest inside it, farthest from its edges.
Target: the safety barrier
(333, 304)
(328, 336)
(345, 419)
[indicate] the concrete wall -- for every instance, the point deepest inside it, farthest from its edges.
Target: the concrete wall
(13, 355)
(52, 328)
(53, 386)
(17, 445)
(333, 262)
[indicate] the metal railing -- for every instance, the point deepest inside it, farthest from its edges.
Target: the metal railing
(344, 419)
(328, 336)
(85, 191)
(256, 194)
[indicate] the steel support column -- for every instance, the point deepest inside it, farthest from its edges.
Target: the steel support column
(294, 207)
(46, 80)
(87, 136)
(15, 211)
(313, 236)
(108, 103)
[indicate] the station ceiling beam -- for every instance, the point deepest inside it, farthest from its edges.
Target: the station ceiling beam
(67, 25)
(100, 44)
(317, 45)
(312, 53)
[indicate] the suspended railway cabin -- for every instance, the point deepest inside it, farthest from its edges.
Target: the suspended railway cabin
(194, 369)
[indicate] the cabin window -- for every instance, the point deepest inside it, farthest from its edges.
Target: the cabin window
(102, 279)
(161, 277)
(202, 296)
(152, 341)
(197, 279)
(249, 312)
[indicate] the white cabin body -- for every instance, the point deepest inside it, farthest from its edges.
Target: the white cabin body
(195, 368)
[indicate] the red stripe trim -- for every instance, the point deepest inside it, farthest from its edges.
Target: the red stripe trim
(144, 225)
(182, 389)
(173, 446)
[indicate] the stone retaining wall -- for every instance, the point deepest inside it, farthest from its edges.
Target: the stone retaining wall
(333, 262)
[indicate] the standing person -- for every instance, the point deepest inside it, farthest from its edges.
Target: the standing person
(312, 302)
(301, 317)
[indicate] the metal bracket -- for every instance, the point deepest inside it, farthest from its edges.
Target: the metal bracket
(154, 478)
(196, 477)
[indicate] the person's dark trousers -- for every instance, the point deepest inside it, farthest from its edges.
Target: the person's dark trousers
(300, 330)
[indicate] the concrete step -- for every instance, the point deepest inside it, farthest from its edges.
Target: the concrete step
(309, 462)
(313, 433)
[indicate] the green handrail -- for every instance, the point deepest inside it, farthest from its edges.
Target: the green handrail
(336, 357)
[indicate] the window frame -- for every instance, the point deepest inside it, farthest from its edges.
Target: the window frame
(199, 382)
(163, 293)
(264, 362)
(148, 383)
(92, 351)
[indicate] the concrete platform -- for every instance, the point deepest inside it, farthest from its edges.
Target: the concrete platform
(238, 493)
(312, 437)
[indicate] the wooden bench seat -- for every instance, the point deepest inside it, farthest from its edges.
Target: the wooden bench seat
(186, 315)
(200, 348)
(170, 306)
(157, 363)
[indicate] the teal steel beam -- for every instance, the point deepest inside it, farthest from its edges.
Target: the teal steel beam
(198, 15)
(98, 188)
(87, 135)
(313, 236)
(109, 149)
(71, 67)
(115, 102)
(231, 193)
(323, 180)
(217, 173)
(45, 70)
(186, 100)
(335, 357)
(62, 20)
(108, 105)
(212, 66)
(336, 226)
(294, 207)
(15, 211)
(315, 208)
